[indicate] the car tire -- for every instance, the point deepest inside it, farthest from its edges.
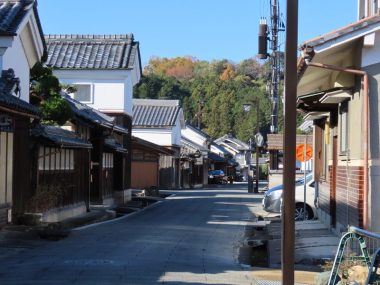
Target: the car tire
(299, 212)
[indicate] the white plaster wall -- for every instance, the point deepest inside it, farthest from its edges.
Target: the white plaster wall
(176, 134)
(108, 96)
(193, 136)
(15, 58)
(128, 95)
(216, 150)
(112, 91)
(371, 55)
(158, 136)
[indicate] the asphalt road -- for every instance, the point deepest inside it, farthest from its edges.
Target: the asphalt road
(193, 237)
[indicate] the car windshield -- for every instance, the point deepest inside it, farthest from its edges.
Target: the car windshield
(301, 180)
(298, 182)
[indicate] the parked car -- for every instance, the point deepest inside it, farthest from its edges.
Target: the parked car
(216, 176)
(272, 200)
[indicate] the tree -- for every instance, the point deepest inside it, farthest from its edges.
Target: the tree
(45, 94)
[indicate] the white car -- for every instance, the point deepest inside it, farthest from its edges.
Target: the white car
(272, 201)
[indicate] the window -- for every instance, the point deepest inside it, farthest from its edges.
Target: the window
(107, 160)
(83, 93)
(6, 167)
(55, 159)
(343, 128)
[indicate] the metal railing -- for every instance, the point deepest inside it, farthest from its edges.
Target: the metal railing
(356, 247)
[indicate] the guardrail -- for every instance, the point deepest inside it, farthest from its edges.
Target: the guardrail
(357, 245)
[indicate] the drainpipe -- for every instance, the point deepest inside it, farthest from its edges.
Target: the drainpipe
(365, 83)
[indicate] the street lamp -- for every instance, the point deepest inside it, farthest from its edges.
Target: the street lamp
(247, 108)
(259, 143)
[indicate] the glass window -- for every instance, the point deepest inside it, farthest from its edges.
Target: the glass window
(83, 93)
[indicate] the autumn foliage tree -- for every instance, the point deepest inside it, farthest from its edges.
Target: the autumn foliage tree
(212, 93)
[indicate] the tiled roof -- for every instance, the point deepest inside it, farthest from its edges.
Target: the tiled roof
(56, 136)
(92, 51)
(13, 12)
(194, 146)
(113, 145)
(215, 157)
(155, 113)
(232, 142)
(8, 86)
(92, 115)
(198, 131)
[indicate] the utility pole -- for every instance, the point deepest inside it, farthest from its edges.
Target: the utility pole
(275, 66)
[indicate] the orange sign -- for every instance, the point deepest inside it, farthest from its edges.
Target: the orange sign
(300, 152)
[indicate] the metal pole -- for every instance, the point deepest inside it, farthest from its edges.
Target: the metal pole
(250, 178)
(304, 180)
(287, 241)
(257, 147)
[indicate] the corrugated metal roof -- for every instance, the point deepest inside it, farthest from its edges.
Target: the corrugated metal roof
(91, 51)
(92, 115)
(13, 12)
(59, 137)
(8, 85)
(155, 113)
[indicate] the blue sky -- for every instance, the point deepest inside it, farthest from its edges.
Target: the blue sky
(205, 29)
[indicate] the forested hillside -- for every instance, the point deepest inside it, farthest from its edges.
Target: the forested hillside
(212, 94)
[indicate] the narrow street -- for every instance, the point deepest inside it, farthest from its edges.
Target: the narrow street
(193, 237)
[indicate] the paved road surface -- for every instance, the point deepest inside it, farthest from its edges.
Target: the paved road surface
(192, 237)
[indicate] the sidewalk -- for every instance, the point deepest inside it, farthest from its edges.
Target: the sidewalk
(314, 243)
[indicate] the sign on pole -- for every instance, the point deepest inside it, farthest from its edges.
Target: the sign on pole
(304, 152)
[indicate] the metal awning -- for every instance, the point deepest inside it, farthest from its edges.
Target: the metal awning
(336, 97)
(315, 116)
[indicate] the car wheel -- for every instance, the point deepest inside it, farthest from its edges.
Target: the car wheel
(299, 213)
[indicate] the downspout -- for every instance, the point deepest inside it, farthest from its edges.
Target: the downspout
(365, 83)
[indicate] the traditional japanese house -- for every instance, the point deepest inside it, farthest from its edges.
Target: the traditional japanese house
(160, 122)
(60, 163)
(103, 69)
(107, 180)
(13, 113)
(145, 163)
(21, 46)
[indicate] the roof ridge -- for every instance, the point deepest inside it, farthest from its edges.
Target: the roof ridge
(156, 102)
(128, 37)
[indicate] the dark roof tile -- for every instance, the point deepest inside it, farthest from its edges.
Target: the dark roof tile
(91, 51)
(13, 12)
(8, 100)
(59, 137)
(92, 115)
(155, 113)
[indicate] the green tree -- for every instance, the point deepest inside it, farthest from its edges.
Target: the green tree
(45, 93)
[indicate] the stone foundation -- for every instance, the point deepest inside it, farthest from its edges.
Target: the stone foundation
(122, 197)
